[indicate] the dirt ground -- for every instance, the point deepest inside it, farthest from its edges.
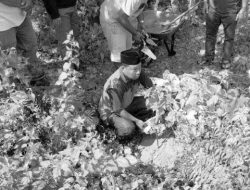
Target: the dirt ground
(189, 45)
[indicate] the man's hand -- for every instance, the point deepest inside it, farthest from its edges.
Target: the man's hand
(140, 124)
(242, 15)
(123, 19)
(26, 4)
(56, 22)
(138, 37)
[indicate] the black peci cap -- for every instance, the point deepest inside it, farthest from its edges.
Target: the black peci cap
(130, 57)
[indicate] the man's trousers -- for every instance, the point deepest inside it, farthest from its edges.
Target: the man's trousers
(213, 21)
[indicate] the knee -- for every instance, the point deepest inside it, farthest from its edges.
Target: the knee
(123, 126)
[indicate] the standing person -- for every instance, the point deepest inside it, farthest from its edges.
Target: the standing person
(118, 105)
(16, 29)
(227, 13)
(64, 17)
(118, 21)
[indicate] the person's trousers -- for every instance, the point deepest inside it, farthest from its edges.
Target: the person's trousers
(23, 38)
(119, 39)
(213, 21)
(138, 109)
(69, 21)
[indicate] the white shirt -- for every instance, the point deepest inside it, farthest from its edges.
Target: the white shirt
(110, 9)
(10, 17)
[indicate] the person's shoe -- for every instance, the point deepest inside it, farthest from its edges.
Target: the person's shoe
(226, 64)
(206, 62)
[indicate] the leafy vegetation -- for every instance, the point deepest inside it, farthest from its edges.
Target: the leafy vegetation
(211, 120)
(51, 137)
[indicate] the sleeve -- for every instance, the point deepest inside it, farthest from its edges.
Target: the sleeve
(145, 80)
(116, 101)
(129, 7)
(51, 7)
(111, 104)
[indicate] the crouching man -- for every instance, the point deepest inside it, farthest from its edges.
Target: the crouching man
(118, 105)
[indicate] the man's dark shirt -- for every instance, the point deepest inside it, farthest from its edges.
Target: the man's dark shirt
(225, 6)
(52, 6)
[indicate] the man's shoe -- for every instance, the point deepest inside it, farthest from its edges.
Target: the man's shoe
(206, 63)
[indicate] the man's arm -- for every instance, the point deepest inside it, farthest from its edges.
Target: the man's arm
(145, 80)
(130, 117)
(117, 109)
(124, 21)
(140, 20)
(51, 7)
(11, 3)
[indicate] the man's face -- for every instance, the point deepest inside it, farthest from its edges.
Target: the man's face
(133, 71)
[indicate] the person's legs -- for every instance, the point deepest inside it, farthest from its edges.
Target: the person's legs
(116, 36)
(213, 22)
(106, 31)
(118, 41)
(8, 38)
(139, 109)
(106, 28)
(75, 24)
(123, 126)
(27, 40)
(63, 29)
(129, 40)
(229, 24)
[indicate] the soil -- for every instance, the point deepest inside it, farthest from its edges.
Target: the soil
(161, 152)
(189, 45)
